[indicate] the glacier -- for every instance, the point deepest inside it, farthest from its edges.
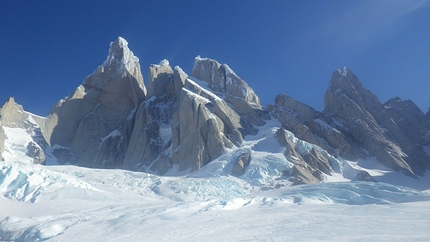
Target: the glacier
(71, 203)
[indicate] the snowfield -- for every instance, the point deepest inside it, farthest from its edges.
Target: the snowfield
(69, 203)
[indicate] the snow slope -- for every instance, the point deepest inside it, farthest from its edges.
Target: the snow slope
(69, 203)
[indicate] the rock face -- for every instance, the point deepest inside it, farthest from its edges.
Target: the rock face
(91, 124)
(387, 132)
(221, 79)
(355, 122)
(314, 127)
(184, 122)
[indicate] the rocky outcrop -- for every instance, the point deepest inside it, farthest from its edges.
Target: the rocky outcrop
(242, 162)
(86, 122)
(364, 176)
(301, 175)
(36, 152)
(309, 164)
(315, 159)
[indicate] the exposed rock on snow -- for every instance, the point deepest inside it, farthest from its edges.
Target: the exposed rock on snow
(242, 162)
(309, 164)
(302, 175)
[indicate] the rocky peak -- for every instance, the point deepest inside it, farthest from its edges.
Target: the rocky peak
(225, 83)
(120, 66)
(120, 55)
(10, 103)
(98, 110)
(391, 132)
(345, 83)
(402, 105)
(12, 114)
(160, 79)
(221, 78)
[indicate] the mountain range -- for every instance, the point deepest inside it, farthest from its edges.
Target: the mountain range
(180, 123)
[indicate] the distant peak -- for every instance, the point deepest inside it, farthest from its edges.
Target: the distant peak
(11, 104)
(11, 100)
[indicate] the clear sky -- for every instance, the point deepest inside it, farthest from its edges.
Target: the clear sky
(48, 47)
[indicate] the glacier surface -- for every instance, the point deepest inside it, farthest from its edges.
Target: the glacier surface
(70, 203)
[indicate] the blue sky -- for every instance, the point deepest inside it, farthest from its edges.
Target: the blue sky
(48, 47)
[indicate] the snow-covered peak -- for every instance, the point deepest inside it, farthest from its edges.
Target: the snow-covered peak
(164, 62)
(121, 56)
(199, 58)
(344, 71)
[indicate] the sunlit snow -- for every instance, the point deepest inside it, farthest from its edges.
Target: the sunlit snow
(69, 203)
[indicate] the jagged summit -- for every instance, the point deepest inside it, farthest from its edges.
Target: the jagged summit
(221, 78)
(121, 56)
(12, 114)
